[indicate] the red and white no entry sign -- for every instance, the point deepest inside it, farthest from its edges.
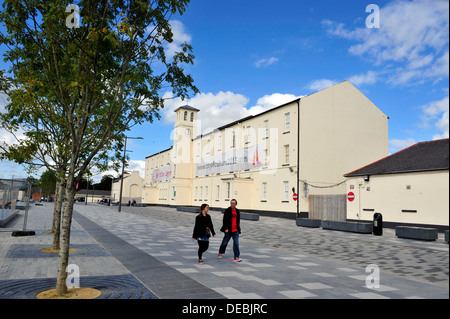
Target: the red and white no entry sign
(351, 196)
(294, 197)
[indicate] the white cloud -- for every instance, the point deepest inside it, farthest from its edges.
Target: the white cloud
(223, 108)
(179, 37)
(365, 78)
(437, 112)
(266, 62)
(414, 35)
(132, 165)
(321, 84)
(398, 145)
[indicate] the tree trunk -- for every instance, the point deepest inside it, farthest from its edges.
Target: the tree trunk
(61, 287)
(56, 228)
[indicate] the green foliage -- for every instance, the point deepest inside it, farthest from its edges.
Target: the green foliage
(75, 91)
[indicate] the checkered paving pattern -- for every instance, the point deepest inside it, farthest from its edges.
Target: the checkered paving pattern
(266, 272)
(34, 251)
(111, 287)
(280, 260)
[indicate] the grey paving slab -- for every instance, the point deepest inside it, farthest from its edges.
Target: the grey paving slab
(162, 279)
(280, 259)
(111, 287)
(271, 267)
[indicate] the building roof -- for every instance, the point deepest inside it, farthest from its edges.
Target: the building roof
(187, 107)
(423, 156)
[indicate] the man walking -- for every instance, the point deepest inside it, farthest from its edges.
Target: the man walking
(231, 229)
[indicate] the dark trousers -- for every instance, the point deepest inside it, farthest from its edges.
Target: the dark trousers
(226, 239)
(202, 247)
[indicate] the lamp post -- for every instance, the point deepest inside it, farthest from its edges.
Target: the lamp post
(123, 168)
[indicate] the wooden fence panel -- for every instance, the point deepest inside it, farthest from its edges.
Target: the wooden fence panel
(328, 207)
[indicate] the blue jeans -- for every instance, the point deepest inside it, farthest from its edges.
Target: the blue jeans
(225, 241)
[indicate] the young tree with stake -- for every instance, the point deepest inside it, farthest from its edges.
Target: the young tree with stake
(78, 90)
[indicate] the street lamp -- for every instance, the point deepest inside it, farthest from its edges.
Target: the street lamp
(123, 167)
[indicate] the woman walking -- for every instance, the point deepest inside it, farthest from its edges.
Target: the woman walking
(203, 230)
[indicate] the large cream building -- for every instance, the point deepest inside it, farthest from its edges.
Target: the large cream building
(304, 146)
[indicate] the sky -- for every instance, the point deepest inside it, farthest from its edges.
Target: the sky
(253, 55)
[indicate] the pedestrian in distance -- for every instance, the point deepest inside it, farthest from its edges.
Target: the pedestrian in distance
(231, 229)
(203, 230)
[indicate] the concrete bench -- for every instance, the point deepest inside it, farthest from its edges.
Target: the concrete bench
(7, 217)
(421, 233)
(306, 222)
(248, 216)
(354, 227)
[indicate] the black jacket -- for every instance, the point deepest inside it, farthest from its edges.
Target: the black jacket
(201, 222)
(227, 217)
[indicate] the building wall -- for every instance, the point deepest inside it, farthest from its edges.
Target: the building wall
(246, 185)
(416, 198)
(132, 188)
(340, 129)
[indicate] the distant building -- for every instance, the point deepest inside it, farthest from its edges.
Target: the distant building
(132, 188)
(408, 187)
(256, 159)
(92, 195)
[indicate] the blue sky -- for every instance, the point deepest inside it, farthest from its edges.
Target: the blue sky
(252, 55)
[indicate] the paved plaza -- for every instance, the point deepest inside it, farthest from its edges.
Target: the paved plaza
(148, 252)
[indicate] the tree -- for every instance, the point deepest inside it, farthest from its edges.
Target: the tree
(105, 183)
(48, 183)
(75, 91)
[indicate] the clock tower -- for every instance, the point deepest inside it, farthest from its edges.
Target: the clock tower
(182, 153)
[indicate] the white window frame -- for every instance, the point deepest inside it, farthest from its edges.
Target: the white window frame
(287, 122)
(286, 154)
(286, 191)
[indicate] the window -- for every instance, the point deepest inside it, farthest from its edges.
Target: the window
(264, 191)
(228, 191)
(185, 115)
(265, 156)
(219, 146)
(201, 192)
(286, 154)
(266, 126)
(249, 135)
(218, 192)
(287, 122)
(206, 193)
(286, 191)
(233, 139)
(192, 116)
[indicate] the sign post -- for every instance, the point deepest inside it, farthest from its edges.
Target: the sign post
(351, 196)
